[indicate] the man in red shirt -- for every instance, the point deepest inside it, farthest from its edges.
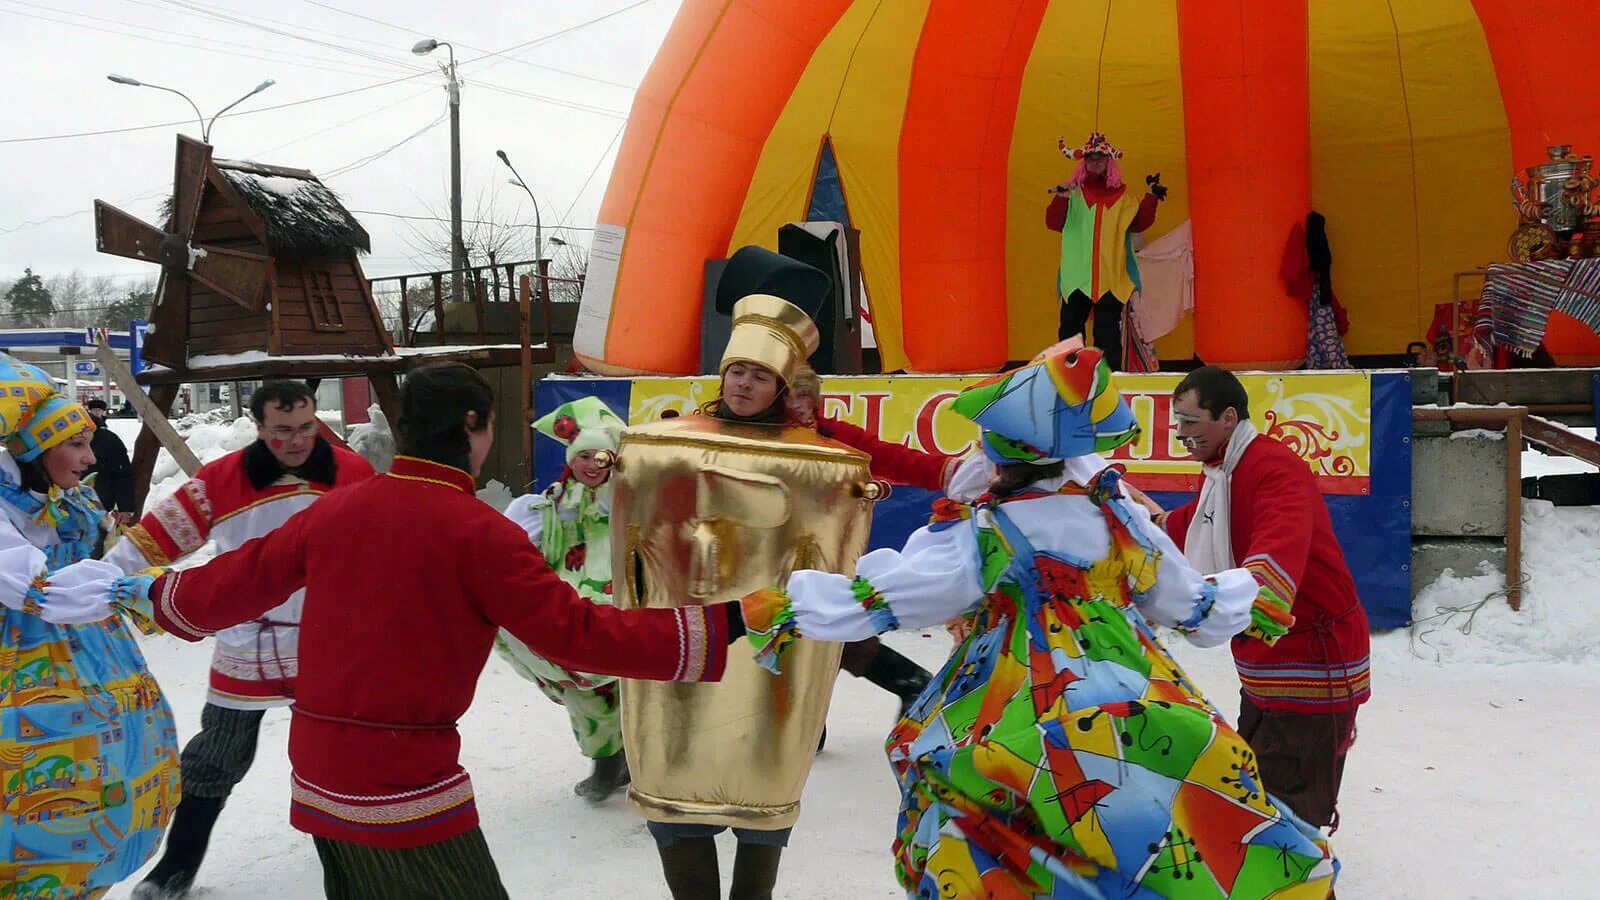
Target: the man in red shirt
(230, 501)
(1260, 509)
(408, 577)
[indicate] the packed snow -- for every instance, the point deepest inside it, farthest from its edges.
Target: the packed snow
(1469, 778)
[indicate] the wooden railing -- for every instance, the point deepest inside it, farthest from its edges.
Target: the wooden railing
(1519, 424)
(493, 283)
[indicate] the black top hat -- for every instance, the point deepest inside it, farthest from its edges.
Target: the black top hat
(757, 270)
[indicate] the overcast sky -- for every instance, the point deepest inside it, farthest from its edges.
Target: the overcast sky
(555, 106)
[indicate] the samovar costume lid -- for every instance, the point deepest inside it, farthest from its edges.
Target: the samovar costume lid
(773, 300)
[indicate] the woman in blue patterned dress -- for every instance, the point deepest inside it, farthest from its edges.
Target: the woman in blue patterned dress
(88, 752)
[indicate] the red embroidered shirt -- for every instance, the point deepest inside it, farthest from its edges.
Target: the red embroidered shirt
(407, 578)
(253, 664)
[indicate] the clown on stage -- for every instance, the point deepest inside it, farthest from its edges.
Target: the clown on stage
(1099, 272)
(1061, 751)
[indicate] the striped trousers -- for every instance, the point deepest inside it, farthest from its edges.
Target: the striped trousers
(459, 867)
(218, 757)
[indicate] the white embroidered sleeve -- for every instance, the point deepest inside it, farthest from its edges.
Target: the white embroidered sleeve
(1208, 610)
(933, 578)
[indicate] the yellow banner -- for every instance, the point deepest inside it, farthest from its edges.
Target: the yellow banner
(1324, 417)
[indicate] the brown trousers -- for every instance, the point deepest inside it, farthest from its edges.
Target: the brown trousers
(1301, 756)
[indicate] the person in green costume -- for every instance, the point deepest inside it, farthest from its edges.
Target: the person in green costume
(1097, 219)
(570, 523)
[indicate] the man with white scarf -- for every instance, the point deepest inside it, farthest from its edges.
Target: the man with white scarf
(1259, 508)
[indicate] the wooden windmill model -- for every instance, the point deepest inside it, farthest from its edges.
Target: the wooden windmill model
(260, 279)
(253, 258)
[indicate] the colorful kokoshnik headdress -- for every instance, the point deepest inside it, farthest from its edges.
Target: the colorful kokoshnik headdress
(33, 417)
(1062, 404)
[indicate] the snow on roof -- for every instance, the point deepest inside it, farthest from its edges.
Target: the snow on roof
(302, 214)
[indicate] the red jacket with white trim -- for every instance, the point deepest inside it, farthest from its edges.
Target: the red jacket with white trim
(408, 577)
(253, 664)
(1283, 534)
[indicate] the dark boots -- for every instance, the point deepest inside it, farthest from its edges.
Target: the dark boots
(186, 847)
(898, 675)
(755, 871)
(690, 865)
(609, 776)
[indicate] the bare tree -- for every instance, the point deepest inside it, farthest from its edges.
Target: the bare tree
(569, 263)
(490, 232)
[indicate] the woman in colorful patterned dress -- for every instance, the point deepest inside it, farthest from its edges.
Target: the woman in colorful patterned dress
(88, 751)
(1061, 752)
(570, 523)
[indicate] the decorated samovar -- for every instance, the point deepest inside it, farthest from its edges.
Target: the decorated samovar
(1555, 203)
(706, 510)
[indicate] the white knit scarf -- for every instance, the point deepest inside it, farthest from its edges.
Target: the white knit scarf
(1209, 544)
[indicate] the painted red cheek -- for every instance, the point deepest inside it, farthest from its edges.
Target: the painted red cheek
(276, 443)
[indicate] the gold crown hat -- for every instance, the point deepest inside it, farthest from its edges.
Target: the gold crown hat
(772, 299)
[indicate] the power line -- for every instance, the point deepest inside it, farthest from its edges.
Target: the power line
(345, 93)
(419, 31)
(351, 167)
(188, 46)
(505, 54)
(597, 164)
(554, 101)
(291, 35)
(419, 218)
(153, 4)
(248, 112)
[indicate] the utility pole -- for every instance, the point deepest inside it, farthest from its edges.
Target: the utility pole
(458, 249)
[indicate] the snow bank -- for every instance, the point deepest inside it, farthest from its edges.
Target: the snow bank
(1536, 462)
(1464, 617)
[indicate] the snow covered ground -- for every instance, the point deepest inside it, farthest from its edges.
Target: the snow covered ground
(1471, 777)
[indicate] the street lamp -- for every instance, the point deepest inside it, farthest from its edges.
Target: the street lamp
(458, 250)
(538, 224)
(205, 126)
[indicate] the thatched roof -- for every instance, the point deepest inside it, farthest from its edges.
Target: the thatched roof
(303, 216)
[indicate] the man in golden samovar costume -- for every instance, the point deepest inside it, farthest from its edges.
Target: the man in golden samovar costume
(710, 507)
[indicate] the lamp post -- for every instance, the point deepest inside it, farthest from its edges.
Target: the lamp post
(205, 126)
(538, 224)
(458, 250)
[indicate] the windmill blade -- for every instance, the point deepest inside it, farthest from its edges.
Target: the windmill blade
(244, 278)
(188, 184)
(121, 234)
(167, 343)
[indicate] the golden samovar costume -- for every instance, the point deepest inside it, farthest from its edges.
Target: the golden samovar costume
(708, 509)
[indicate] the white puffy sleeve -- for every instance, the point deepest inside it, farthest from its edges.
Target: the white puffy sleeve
(934, 577)
(528, 511)
(78, 594)
(1208, 610)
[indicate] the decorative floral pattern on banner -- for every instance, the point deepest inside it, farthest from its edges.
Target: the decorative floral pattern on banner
(1324, 417)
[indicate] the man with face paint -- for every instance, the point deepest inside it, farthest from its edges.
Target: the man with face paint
(1259, 508)
(232, 500)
